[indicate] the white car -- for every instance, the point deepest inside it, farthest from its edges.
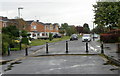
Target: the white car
(86, 38)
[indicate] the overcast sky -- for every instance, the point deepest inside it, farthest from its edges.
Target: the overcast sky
(73, 12)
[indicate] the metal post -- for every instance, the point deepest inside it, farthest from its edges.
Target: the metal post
(46, 47)
(102, 48)
(66, 46)
(87, 47)
(26, 51)
(9, 50)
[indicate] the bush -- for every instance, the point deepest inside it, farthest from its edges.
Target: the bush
(50, 36)
(4, 48)
(25, 40)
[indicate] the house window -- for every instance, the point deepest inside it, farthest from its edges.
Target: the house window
(34, 34)
(56, 28)
(4, 24)
(46, 34)
(51, 28)
(34, 27)
(43, 34)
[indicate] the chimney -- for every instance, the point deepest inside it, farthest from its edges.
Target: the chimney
(37, 20)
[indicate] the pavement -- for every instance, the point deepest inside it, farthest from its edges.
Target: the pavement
(21, 53)
(15, 55)
(109, 49)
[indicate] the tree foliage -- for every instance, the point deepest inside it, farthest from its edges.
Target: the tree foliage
(12, 31)
(86, 28)
(69, 30)
(99, 29)
(107, 14)
(8, 35)
(50, 36)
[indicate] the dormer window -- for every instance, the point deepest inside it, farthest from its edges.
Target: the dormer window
(34, 27)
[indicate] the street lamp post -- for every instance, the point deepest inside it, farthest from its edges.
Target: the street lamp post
(19, 11)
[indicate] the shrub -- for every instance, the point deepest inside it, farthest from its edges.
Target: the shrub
(50, 36)
(4, 48)
(25, 40)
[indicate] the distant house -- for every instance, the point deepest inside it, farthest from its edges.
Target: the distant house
(3, 22)
(79, 29)
(41, 30)
(19, 23)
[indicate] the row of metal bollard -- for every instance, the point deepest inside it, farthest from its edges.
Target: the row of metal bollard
(102, 47)
(66, 47)
(26, 51)
(47, 50)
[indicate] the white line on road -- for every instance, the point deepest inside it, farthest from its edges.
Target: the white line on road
(92, 48)
(98, 46)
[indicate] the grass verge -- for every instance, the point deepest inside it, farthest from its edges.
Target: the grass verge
(41, 42)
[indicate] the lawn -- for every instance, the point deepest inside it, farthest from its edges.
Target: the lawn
(41, 41)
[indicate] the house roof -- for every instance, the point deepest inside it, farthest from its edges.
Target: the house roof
(47, 23)
(29, 22)
(3, 18)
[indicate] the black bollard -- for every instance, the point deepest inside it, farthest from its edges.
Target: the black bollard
(9, 50)
(66, 46)
(102, 48)
(26, 51)
(87, 47)
(46, 47)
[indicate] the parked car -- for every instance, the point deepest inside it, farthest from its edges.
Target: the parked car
(57, 36)
(95, 36)
(86, 38)
(74, 37)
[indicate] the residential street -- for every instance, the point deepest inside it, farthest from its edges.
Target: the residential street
(76, 61)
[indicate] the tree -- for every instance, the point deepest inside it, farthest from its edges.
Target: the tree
(12, 31)
(6, 40)
(86, 28)
(25, 39)
(69, 30)
(50, 36)
(107, 14)
(61, 31)
(99, 29)
(64, 26)
(9, 34)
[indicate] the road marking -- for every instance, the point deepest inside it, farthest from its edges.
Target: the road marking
(92, 48)
(98, 46)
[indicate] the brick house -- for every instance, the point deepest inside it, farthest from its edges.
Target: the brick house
(3, 22)
(41, 30)
(79, 29)
(19, 23)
